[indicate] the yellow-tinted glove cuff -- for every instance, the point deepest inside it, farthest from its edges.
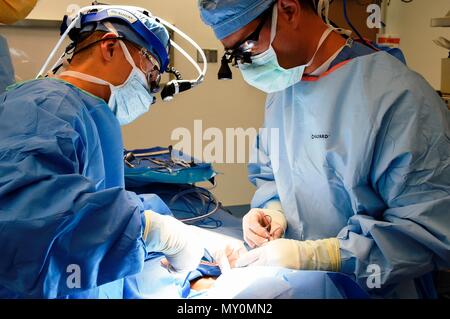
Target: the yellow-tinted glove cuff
(148, 219)
(321, 255)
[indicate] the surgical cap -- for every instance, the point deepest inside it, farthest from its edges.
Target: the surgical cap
(228, 16)
(124, 30)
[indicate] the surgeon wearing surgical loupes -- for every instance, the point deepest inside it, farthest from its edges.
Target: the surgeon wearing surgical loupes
(359, 182)
(68, 228)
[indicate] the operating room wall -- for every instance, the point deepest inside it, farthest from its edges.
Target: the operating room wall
(412, 22)
(220, 104)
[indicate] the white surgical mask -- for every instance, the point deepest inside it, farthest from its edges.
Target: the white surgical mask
(129, 100)
(266, 74)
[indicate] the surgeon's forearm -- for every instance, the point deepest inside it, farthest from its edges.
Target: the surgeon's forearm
(321, 255)
(167, 235)
(105, 223)
(398, 250)
(155, 236)
(164, 233)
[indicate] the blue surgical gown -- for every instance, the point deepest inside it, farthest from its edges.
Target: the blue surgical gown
(362, 153)
(68, 228)
(6, 67)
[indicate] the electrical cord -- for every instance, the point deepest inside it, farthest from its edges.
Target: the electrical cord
(201, 215)
(347, 19)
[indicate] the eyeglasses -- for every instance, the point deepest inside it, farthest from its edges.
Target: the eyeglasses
(150, 66)
(242, 52)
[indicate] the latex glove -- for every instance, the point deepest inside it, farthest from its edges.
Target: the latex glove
(224, 249)
(263, 225)
(12, 11)
(227, 256)
(300, 255)
(174, 239)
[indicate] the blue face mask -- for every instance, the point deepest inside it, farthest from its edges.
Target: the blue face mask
(129, 100)
(266, 74)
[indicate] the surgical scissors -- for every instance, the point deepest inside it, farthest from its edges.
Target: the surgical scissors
(129, 158)
(268, 226)
(133, 160)
(161, 163)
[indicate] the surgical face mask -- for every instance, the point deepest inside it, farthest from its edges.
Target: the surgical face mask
(129, 100)
(266, 74)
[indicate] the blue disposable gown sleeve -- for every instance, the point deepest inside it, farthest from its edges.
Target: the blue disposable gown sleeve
(410, 173)
(260, 171)
(60, 231)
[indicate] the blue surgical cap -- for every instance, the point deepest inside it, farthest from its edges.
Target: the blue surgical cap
(228, 16)
(124, 30)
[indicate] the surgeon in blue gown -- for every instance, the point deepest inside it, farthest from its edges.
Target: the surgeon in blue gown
(68, 228)
(353, 171)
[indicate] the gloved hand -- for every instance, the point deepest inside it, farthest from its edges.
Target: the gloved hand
(300, 255)
(227, 255)
(174, 239)
(224, 249)
(263, 225)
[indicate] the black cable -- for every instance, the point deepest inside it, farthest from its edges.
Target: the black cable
(364, 41)
(207, 199)
(350, 23)
(172, 70)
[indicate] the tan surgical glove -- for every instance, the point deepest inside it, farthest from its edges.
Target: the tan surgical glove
(263, 225)
(321, 255)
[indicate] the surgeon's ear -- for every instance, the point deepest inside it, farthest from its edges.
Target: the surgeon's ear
(289, 11)
(108, 46)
